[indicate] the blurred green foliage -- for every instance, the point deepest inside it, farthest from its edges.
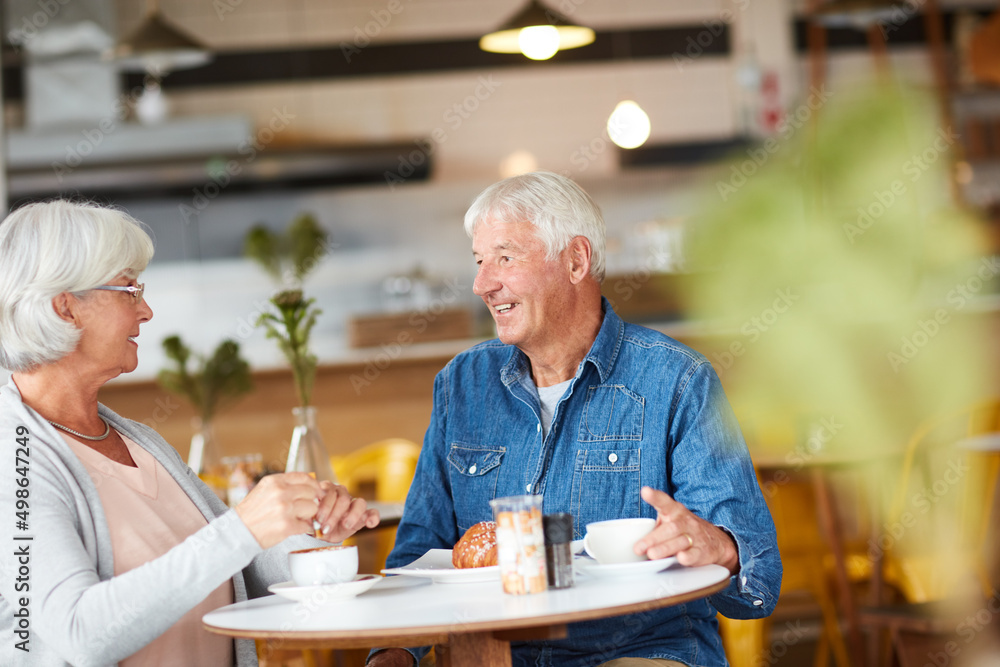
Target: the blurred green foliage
(291, 327)
(843, 274)
(288, 258)
(213, 381)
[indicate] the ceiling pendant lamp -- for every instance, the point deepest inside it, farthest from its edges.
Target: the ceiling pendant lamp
(538, 32)
(860, 14)
(158, 46)
(628, 125)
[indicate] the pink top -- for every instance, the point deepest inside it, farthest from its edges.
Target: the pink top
(148, 514)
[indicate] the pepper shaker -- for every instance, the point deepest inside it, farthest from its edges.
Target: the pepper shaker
(558, 530)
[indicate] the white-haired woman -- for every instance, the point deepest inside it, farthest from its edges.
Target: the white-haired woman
(112, 549)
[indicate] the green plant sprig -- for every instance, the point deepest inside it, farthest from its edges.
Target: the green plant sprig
(216, 380)
(291, 256)
(291, 327)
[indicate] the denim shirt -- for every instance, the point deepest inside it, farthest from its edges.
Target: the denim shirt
(642, 410)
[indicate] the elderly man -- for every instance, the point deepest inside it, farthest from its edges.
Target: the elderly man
(604, 419)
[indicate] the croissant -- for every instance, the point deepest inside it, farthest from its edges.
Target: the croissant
(477, 548)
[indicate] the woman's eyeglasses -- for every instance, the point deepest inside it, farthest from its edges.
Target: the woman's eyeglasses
(135, 290)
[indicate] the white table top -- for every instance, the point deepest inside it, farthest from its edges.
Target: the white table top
(403, 606)
(387, 511)
(987, 442)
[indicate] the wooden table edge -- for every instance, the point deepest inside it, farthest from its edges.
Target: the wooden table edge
(438, 634)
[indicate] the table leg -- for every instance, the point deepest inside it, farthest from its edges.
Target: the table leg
(830, 523)
(474, 649)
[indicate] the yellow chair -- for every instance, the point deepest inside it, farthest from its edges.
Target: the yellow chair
(942, 507)
(389, 466)
(805, 555)
(939, 524)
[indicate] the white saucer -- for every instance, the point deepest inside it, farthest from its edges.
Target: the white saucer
(325, 593)
(436, 565)
(588, 566)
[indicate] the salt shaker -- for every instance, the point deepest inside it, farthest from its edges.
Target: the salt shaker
(558, 530)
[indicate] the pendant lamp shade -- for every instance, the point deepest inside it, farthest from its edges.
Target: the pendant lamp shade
(860, 14)
(158, 46)
(538, 32)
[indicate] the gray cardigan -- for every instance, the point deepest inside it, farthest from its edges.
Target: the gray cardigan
(78, 613)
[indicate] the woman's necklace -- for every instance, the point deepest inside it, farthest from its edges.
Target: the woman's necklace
(107, 430)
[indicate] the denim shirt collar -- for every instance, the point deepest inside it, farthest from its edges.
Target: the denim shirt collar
(602, 354)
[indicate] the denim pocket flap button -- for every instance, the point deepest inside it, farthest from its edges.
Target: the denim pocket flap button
(474, 461)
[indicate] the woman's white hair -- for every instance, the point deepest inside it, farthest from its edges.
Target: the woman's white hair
(558, 207)
(54, 247)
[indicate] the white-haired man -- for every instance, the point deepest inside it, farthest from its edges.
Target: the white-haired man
(602, 418)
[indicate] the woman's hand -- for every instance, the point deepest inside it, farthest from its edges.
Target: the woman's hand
(340, 515)
(280, 506)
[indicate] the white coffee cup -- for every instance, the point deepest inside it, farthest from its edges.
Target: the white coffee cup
(334, 564)
(613, 541)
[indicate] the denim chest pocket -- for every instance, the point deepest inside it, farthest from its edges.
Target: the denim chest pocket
(606, 485)
(612, 412)
(474, 473)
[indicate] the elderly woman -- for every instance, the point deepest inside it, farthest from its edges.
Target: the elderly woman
(112, 548)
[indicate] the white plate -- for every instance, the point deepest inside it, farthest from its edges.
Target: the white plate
(436, 564)
(588, 566)
(326, 593)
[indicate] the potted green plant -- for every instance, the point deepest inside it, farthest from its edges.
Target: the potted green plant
(208, 383)
(289, 258)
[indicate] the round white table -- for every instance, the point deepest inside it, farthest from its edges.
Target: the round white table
(468, 623)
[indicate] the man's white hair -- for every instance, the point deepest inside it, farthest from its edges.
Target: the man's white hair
(558, 208)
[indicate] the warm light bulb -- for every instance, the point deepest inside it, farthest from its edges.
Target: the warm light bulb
(517, 163)
(538, 42)
(628, 125)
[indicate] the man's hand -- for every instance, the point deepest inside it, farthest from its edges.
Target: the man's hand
(340, 516)
(680, 533)
(392, 657)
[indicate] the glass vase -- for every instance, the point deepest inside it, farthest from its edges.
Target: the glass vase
(205, 457)
(307, 452)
